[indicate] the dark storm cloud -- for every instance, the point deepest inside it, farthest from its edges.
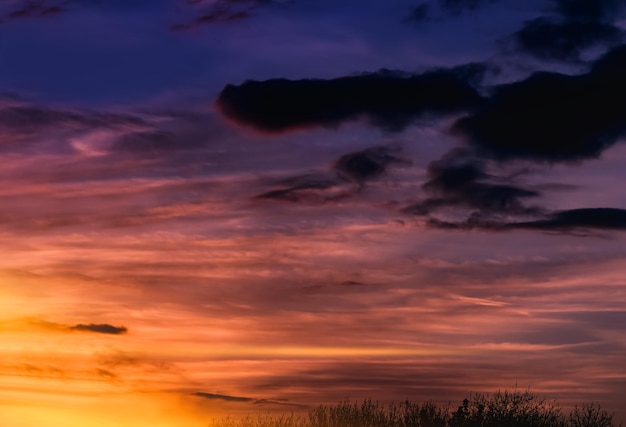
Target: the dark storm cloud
(471, 72)
(549, 39)
(388, 99)
(459, 179)
(597, 10)
(100, 328)
(572, 27)
(594, 218)
(575, 221)
(368, 164)
(553, 117)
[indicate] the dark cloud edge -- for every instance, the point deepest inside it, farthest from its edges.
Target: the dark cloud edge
(100, 328)
(388, 99)
(579, 222)
(240, 399)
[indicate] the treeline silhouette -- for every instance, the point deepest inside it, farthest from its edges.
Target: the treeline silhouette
(501, 409)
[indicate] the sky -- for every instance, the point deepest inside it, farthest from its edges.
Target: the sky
(215, 207)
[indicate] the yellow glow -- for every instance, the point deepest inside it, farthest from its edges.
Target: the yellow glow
(122, 410)
(52, 376)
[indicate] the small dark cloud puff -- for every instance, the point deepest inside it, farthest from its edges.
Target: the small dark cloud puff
(100, 328)
(390, 100)
(552, 117)
(459, 179)
(367, 164)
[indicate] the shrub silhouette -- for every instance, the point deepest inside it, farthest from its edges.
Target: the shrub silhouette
(514, 409)
(589, 415)
(501, 409)
(372, 414)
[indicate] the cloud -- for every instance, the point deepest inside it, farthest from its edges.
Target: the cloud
(551, 117)
(221, 11)
(217, 15)
(597, 10)
(25, 125)
(18, 115)
(100, 328)
(388, 99)
(420, 13)
(311, 187)
(572, 27)
(595, 218)
(549, 39)
(460, 180)
(457, 7)
(105, 138)
(357, 167)
(225, 397)
(31, 323)
(156, 141)
(212, 396)
(34, 323)
(428, 10)
(367, 164)
(573, 221)
(34, 9)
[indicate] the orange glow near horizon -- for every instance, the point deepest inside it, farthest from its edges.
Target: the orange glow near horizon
(275, 345)
(49, 371)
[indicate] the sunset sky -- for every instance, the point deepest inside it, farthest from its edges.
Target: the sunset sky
(215, 207)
